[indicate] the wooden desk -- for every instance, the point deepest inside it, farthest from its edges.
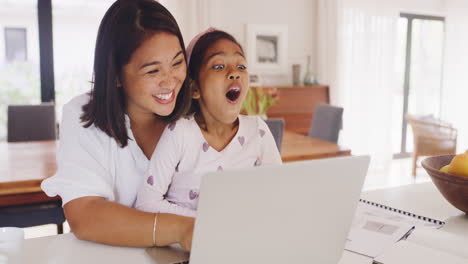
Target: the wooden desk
(297, 147)
(23, 166)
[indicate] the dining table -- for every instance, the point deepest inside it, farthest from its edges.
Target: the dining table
(298, 147)
(24, 165)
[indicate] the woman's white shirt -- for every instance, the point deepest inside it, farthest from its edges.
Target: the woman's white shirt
(90, 163)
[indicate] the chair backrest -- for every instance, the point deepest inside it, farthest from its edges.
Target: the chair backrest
(277, 129)
(31, 122)
(430, 127)
(327, 122)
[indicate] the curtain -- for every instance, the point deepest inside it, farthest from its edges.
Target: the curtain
(455, 78)
(358, 55)
(359, 63)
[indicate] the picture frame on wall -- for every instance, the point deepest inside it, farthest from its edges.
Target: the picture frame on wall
(255, 80)
(267, 48)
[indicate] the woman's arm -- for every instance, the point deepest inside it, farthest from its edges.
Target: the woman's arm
(98, 220)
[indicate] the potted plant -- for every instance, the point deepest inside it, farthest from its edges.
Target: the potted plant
(258, 100)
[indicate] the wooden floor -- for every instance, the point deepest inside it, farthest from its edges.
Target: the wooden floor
(399, 174)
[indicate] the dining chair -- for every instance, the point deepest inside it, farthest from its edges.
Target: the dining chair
(276, 126)
(31, 122)
(327, 122)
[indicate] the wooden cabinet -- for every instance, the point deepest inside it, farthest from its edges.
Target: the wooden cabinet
(297, 105)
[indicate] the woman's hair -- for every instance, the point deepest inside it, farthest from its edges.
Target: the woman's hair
(125, 26)
(198, 54)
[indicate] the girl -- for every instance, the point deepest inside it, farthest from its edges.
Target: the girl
(108, 135)
(214, 136)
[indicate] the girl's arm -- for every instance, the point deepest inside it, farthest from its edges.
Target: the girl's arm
(160, 172)
(96, 219)
(152, 200)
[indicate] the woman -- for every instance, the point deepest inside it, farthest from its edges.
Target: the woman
(108, 136)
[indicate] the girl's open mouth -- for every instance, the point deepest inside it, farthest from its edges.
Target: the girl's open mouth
(233, 94)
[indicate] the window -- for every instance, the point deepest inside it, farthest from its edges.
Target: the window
(19, 57)
(15, 44)
(75, 27)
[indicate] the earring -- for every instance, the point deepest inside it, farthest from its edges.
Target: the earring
(195, 90)
(196, 94)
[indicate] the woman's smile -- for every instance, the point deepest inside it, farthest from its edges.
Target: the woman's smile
(164, 98)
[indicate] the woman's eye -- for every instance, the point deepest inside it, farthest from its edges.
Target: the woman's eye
(177, 63)
(218, 67)
(241, 67)
(153, 71)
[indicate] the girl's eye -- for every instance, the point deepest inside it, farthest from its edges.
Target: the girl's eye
(177, 63)
(218, 67)
(241, 67)
(153, 71)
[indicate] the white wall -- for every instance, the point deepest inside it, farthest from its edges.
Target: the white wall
(298, 15)
(423, 7)
(232, 16)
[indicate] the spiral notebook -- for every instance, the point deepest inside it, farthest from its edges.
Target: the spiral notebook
(377, 227)
(427, 221)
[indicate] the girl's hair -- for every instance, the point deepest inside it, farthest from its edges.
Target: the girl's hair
(197, 55)
(125, 26)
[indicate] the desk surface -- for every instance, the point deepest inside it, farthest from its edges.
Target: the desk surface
(67, 249)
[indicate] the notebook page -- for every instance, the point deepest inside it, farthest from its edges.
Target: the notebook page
(441, 240)
(406, 252)
(374, 229)
(420, 199)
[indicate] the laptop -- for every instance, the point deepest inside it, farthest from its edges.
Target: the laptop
(298, 212)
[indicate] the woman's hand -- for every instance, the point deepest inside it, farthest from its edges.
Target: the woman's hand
(96, 219)
(186, 233)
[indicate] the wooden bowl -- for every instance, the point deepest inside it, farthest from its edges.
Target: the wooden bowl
(453, 187)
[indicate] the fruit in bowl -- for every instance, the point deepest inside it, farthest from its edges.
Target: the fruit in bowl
(458, 165)
(454, 187)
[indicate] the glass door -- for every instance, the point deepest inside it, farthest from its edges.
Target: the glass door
(422, 64)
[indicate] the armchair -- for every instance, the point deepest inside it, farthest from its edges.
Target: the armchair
(431, 137)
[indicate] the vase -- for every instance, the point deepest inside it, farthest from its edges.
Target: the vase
(309, 79)
(296, 74)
